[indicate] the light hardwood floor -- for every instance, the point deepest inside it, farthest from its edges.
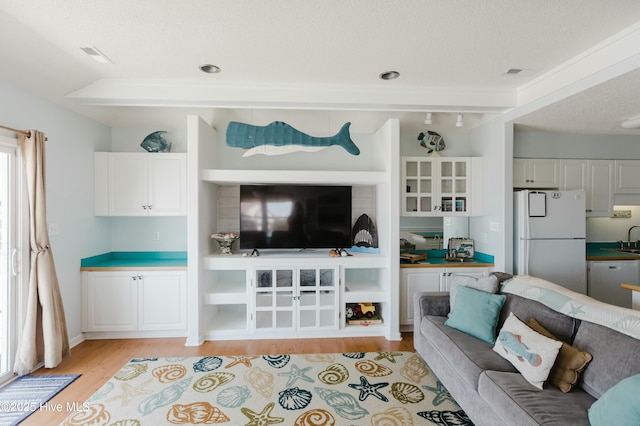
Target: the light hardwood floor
(99, 360)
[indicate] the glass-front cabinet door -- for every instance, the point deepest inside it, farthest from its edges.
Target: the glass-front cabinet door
(454, 182)
(274, 299)
(318, 298)
(436, 186)
(419, 186)
(295, 299)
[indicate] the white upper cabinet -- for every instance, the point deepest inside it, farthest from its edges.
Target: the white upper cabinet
(596, 178)
(141, 184)
(441, 186)
(536, 173)
(627, 177)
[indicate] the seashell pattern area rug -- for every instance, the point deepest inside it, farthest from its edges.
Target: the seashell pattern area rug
(372, 388)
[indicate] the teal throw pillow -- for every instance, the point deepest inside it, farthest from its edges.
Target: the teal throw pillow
(476, 313)
(619, 406)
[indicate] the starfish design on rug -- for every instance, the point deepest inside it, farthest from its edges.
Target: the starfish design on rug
(129, 393)
(241, 359)
(575, 310)
(366, 389)
(442, 394)
(389, 356)
(297, 373)
(262, 418)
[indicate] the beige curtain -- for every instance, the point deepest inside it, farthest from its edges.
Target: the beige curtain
(44, 335)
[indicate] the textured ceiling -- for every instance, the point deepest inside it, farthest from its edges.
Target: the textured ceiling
(455, 49)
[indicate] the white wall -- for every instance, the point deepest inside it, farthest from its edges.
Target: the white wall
(72, 139)
(530, 143)
(493, 141)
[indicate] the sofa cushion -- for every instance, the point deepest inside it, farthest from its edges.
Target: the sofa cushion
(471, 356)
(615, 357)
(619, 406)
(487, 284)
(570, 363)
(476, 313)
(529, 351)
(519, 403)
(560, 325)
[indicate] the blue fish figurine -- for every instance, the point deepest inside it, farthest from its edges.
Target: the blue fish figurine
(279, 134)
(154, 142)
(512, 343)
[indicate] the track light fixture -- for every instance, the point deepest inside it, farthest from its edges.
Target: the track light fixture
(632, 123)
(459, 122)
(428, 119)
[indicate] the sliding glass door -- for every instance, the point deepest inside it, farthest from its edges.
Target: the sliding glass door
(9, 255)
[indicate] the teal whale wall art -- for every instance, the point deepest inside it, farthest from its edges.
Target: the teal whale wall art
(280, 138)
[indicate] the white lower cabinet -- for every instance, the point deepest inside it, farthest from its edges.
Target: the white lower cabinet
(416, 280)
(129, 301)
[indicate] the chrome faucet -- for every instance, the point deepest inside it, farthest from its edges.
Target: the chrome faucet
(629, 235)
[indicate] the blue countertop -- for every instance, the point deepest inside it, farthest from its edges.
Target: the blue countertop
(135, 260)
(604, 251)
(436, 259)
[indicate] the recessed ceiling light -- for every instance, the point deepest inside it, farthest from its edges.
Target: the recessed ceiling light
(389, 75)
(210, 69)
(96, 55)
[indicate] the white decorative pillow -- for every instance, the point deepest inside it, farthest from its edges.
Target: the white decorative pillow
(487, 284)
(529, 351)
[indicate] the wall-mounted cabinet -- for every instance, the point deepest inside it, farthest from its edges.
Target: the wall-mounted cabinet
(627, 178)
(130, 301)
(140, 184)
(536, 173)
(228, 295)
(596, 177)
(439, 186)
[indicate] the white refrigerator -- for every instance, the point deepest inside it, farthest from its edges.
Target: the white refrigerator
(549, 237)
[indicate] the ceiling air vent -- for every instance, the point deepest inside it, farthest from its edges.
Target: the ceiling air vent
(513, 71)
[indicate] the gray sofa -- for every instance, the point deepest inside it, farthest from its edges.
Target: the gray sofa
(492, 392)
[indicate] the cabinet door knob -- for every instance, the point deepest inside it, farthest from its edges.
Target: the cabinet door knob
(149, 206)
(144, 207)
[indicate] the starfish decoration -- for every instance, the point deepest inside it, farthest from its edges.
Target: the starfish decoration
(389, 356)
(129, 393)
(366, 389)
(263, 418)
(241, 359)
(297, 373)
(575, 310)
(442, 394)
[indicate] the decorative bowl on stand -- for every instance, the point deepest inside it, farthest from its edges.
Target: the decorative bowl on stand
(225, 240)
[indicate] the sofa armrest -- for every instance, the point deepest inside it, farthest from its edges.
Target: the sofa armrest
(429, 303)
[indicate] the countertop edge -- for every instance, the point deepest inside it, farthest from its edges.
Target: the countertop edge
(132, 268)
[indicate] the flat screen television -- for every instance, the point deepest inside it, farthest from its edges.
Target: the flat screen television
(295, 216)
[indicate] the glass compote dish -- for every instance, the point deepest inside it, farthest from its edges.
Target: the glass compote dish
(225, 240)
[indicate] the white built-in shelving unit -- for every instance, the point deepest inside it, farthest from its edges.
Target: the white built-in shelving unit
(230, 296)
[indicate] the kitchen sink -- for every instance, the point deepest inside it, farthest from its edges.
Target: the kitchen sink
(462, 259)
(629, 250)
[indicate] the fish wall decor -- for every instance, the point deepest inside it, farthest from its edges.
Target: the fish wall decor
(154, 142)
(432, 141)
(279, 138)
